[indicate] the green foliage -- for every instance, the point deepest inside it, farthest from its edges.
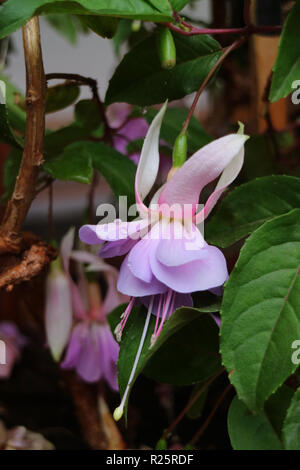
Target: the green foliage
(249, 206)
(16, 114)
(14, 13)
(11, 169)
(61, 96)
(74, 164)
(287, 66)
(261, 310)
(103, 26)
(150, 84)
(77, 160)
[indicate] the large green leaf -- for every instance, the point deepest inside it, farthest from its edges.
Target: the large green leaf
(261, 310)
(6, 133)
(287, 66)
(249, 206)
(172, 125)
(68, 26)
(291, 427)
(150, 84)
(251, 432)
(14, 13)
(186, 351)
(75, 163)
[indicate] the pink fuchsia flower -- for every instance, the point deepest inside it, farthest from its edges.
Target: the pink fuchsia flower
(12, 342)
(168, 257)
(92, 350)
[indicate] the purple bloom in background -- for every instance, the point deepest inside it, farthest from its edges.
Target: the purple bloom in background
(13, 342)
(91, 348)
(168, 257)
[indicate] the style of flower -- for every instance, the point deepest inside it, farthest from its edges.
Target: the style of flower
(168, 257)
(91, 348)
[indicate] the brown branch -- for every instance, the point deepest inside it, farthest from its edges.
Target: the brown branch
(32, 159)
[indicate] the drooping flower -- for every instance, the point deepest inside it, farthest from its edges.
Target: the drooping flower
(168, 257)
(12, 341)
(92, 350)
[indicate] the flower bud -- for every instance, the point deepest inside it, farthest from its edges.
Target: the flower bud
(180, 150)
(166, 49)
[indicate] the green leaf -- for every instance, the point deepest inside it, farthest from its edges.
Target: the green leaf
(10, 172)
(14, 13)
(118, 170)
(291, 427)
(251, 432)
(179, 4)
(103, 26)
(6, 134)
(172, 125)
(61, 96)
(124, 30)
(66, 25)
(250, 205)
(16, 115)
(150, 84)
(75, 164)
(287, 65)
(261, 310)
(87, 114)
(189, 338)
(56, 141)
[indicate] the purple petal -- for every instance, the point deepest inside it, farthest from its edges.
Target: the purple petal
(130, 285)
(78, 337)
(117, 230)
(117, 248)
(181, 246)
(209, 272)
(89, 365)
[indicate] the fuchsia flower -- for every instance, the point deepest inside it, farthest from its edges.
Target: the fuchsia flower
(168, 257)
(91, 348)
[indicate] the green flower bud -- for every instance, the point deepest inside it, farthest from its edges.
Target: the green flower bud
(180, 150)
(166, 49)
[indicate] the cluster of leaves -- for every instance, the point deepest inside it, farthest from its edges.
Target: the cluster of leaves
(260, 309)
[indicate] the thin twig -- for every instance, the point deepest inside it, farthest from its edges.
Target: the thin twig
(32, 159)
(187, 29)
(210, 416)
(247, 5)
(226, 52)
